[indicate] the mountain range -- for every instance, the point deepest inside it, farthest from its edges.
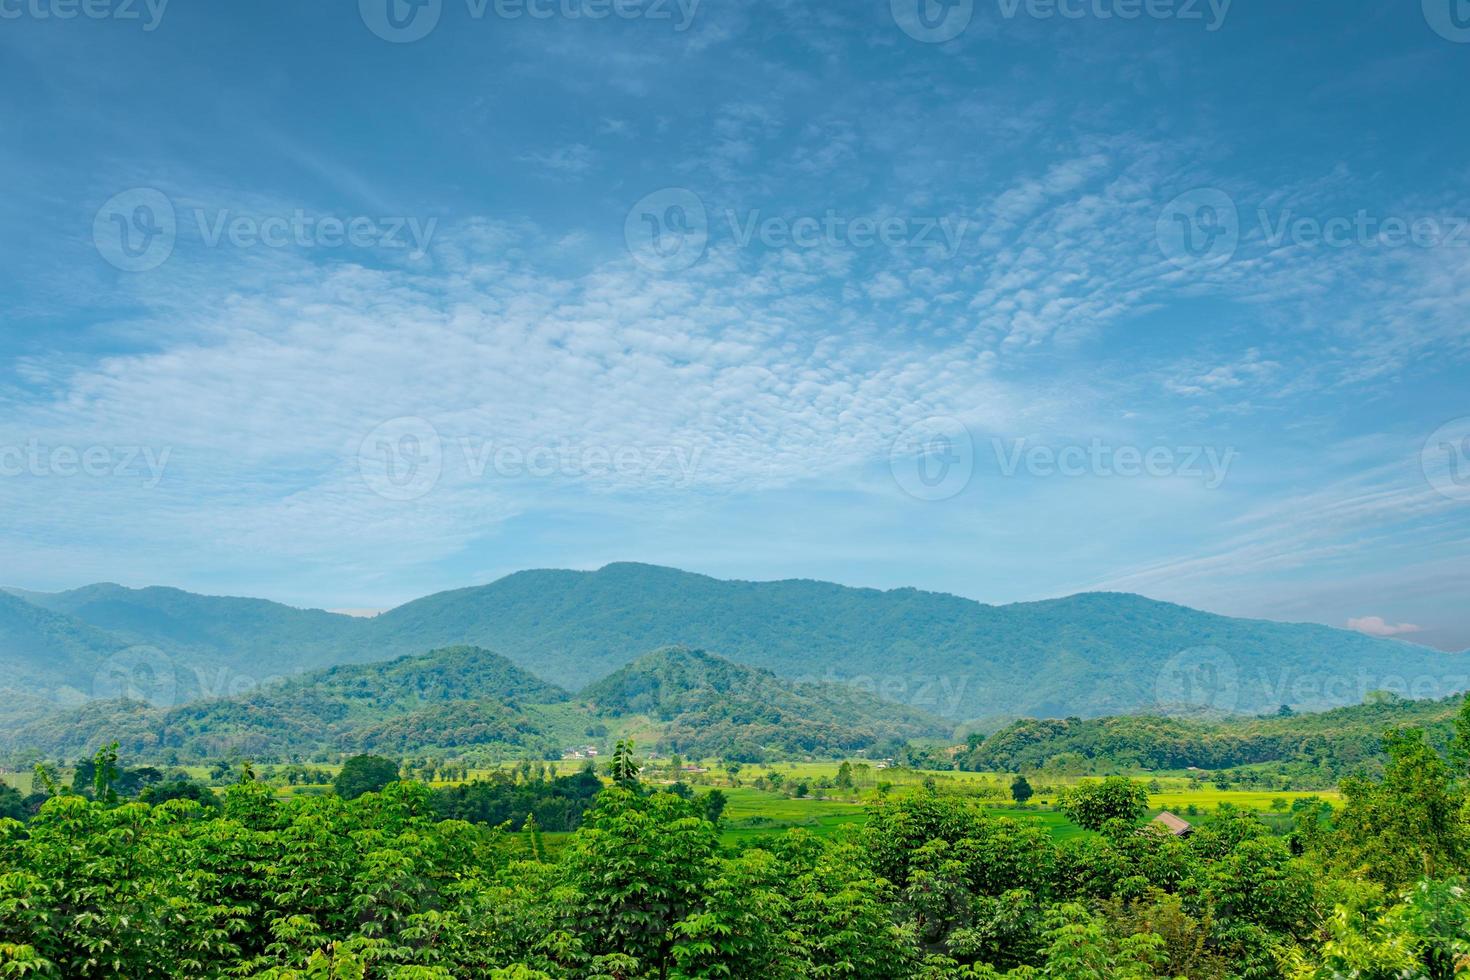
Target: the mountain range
(1086, 655)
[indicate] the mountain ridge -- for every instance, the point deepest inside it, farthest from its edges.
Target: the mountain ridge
(1088, 654)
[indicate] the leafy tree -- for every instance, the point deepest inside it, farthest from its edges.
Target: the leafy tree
(1427, 935)
(12, 804)
(533, 835)
(104, 773)
(1460, 741)
(637, 867)
(364, 774)
(1079, 947)
(714, 805)
(624, 766)
(1094, 805)
(742, 931)
(1021, 790)
(1407, 825)
(179, 789)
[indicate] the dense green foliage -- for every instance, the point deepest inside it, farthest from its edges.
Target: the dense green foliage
(1086, 655)
(557, 804)
(1326, 745)
(455, 697)
(364, 774)
(1095, 805)
(712, 707)
(466, 700)
(932, 888)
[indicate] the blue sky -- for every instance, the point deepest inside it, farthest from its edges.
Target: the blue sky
(1008, 299)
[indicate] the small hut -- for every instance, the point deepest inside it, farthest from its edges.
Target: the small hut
(1173, 824)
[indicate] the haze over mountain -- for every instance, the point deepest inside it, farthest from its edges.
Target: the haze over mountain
(223, 626)
(1086, 655)
(46, 657)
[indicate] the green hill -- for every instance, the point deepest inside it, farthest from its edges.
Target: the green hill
(1328, 744)
(463, 698)
(712, 707)
(455, 697)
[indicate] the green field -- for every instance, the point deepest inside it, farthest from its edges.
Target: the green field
(1055, 823)
(752, 814)
(1210, 799)
(19, 780)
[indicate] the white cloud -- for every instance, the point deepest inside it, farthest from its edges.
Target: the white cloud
(1377, 626)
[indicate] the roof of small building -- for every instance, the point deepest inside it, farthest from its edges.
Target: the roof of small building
(1173, 824)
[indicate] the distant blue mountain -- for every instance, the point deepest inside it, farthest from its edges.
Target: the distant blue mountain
(1085, 655)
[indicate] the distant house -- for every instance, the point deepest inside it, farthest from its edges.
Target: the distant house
(1174, 825)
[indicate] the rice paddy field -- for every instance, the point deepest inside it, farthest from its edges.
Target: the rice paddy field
(754, 813)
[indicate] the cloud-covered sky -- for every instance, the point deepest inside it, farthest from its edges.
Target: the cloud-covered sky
(343, 304)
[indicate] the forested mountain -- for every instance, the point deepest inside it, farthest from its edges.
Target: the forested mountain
(462, 699)
(451, 698)
(159, 645)
(46, 657)
(1086, 655)
(266, 636)
(1330, 744)
(712, 707)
